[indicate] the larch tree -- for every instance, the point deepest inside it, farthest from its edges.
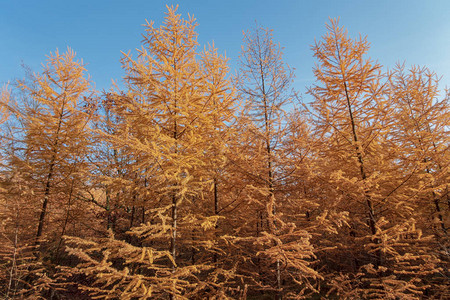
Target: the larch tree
(420, 137)
(16, 250)
(165, 83)
(345, 105)
(189, 183)
(46, 163)
(172, 116)
(55, 120)
(357, 162)
(220, 105)
(421, 134)
(264, 83)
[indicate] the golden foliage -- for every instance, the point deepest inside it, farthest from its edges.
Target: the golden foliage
(189, 183)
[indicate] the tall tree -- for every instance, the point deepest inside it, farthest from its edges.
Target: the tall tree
(55, 121)
(420, 134)
(44, 170)
(347, 109)
(358, 163)
(172, 116)
(166, 83)
(265, 85)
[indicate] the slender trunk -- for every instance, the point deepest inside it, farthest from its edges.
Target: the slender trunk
(216, 212)
(371, 214)
(370, 210)
(173, 247)
(108, 210)
(134, 200)
(143, 202)
(45, 203)
(261, 221)
(271, 196)
(133, 211)
(49, 177)
(174, 201)
(361, 162)
(174, 204)
(13, 271)
(434, 196)
(436, 199)
(193, 251)
(279, 294)
(174, 228)
(258, 216)
(66, 220)
(437, 206)
(438, 210)
(216, 199)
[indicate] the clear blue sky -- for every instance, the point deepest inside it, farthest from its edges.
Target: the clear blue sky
(415, 31)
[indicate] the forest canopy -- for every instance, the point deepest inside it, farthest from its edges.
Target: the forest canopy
(189, 182)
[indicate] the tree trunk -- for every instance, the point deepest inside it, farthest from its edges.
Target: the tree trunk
(371, 215)
(216, 212)
(66, 220)
(44, 204)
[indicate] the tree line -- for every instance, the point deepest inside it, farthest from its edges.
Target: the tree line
(192, 183)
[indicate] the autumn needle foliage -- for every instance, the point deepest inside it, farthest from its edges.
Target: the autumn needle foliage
(46, 161)
(282, 252)
(352, 117)
(184, 182)
(171, 119)
(421, 137)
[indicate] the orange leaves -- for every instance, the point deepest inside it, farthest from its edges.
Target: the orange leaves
(4, 101)
(196, 185)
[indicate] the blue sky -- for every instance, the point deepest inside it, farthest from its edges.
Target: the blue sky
(417, 32)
